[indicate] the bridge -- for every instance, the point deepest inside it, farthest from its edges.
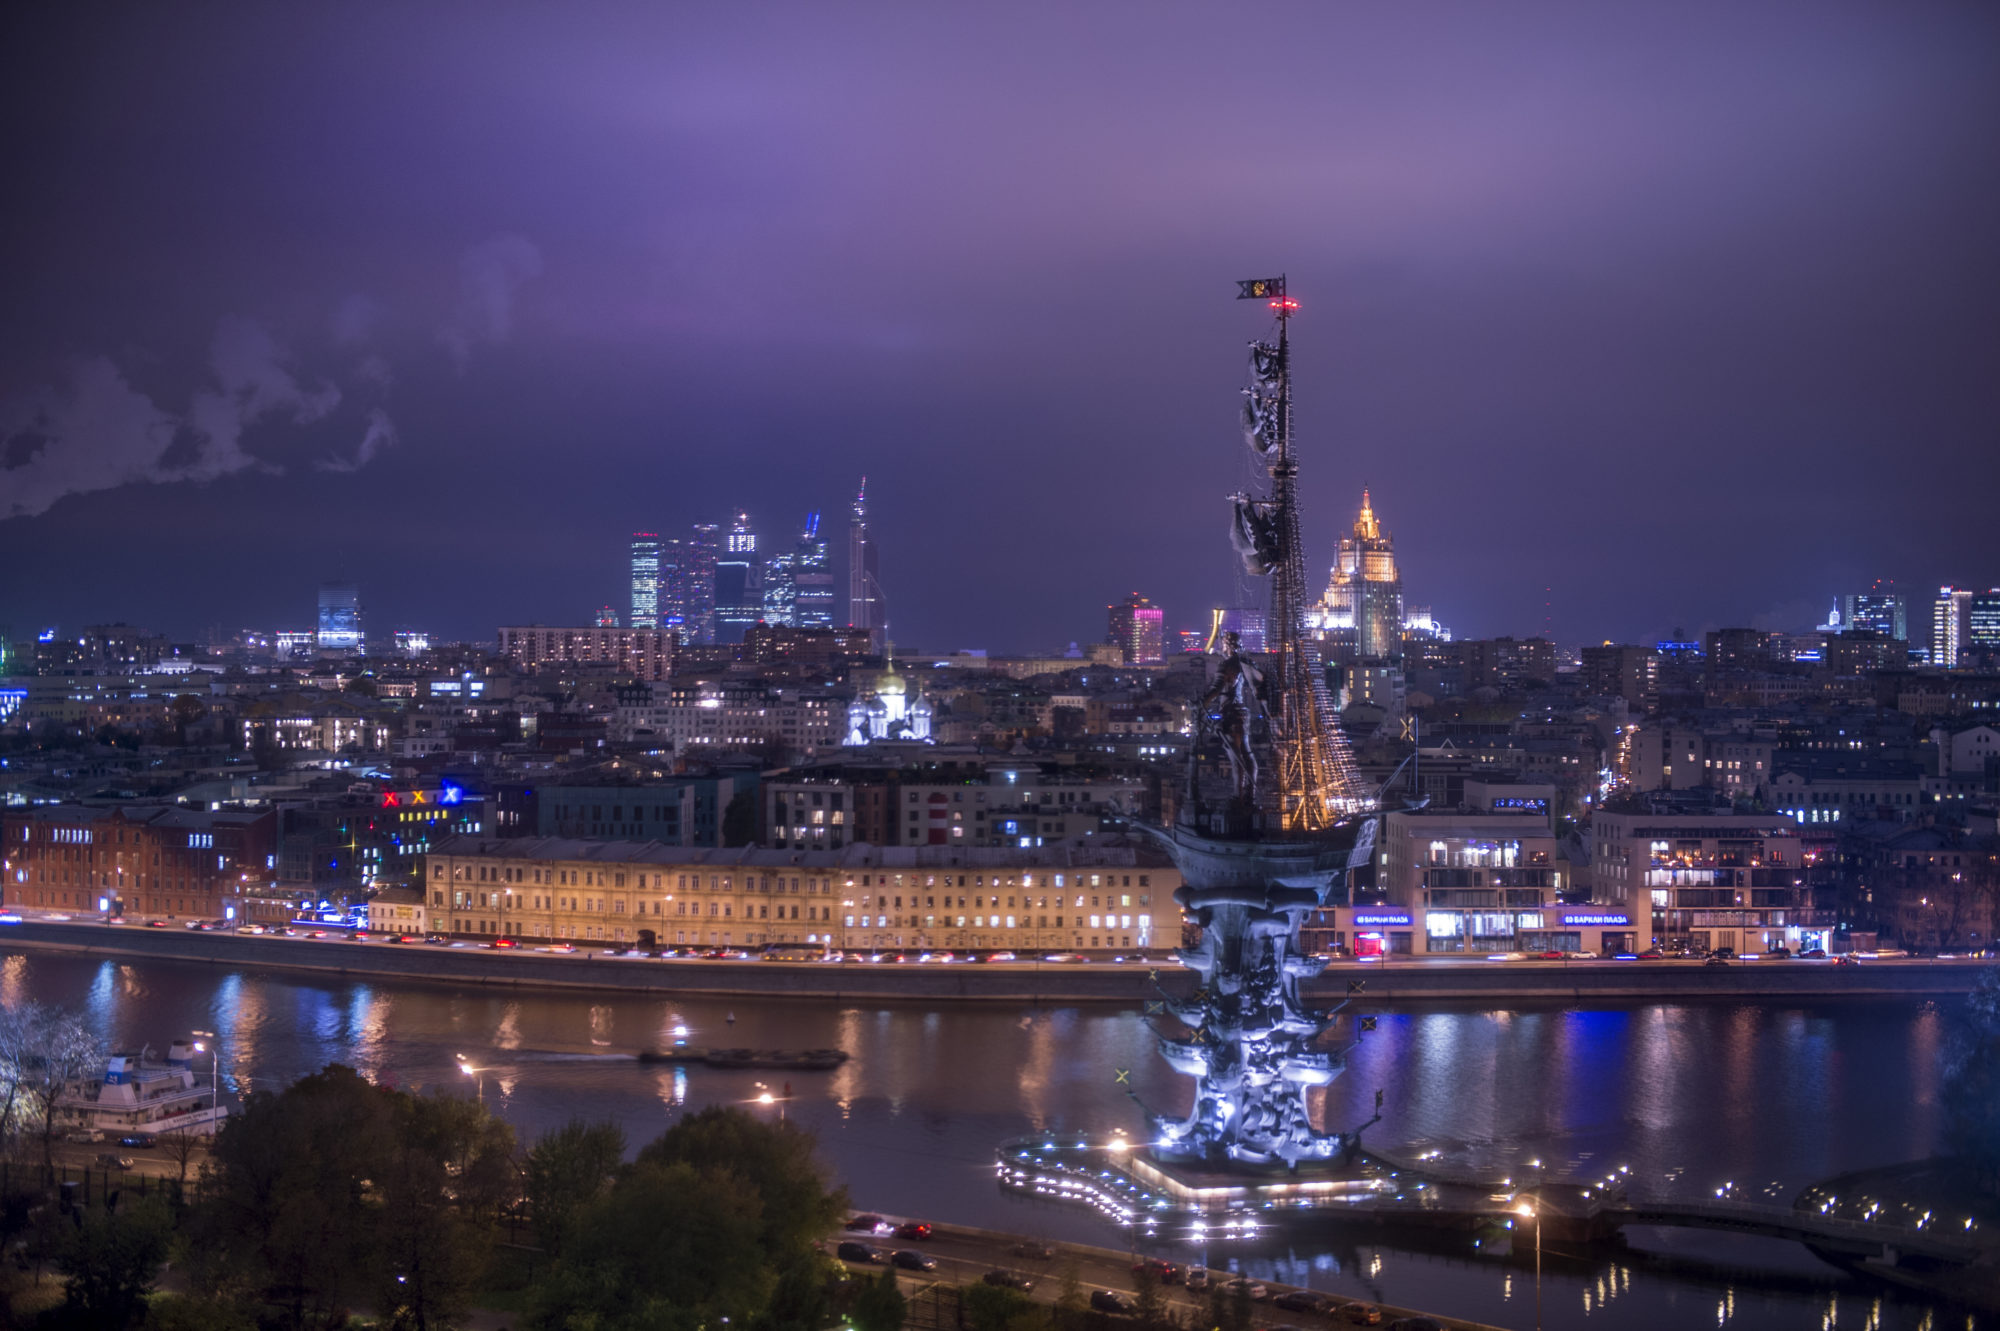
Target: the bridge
(1864, 1239)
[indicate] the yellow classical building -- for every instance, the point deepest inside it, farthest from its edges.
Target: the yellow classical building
(1102, 894)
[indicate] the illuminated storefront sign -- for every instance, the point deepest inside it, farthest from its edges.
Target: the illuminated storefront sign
(1596, 920)
(448, 795)
(1379, 919)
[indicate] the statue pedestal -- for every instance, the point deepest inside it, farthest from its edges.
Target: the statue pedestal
(1200, 1189)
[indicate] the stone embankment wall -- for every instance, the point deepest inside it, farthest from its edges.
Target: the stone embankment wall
(1402, 982)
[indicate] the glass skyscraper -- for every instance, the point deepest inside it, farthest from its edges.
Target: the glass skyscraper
(645, 580)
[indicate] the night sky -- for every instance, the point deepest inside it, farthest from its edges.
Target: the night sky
(1688, 312)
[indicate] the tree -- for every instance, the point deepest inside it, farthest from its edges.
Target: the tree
(180, 1147)
(1149, 1305)
(449, 1170)
(994, 1307)
(669, 1247)
(290, 1221)
(880, 1306)
(776, 1160)
(1971, 1091)
(44, 1051)
(110, 1261)
(568, 1169)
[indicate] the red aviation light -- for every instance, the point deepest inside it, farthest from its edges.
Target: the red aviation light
(1284, 305)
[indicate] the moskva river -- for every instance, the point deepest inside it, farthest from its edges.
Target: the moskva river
(1767, 1097)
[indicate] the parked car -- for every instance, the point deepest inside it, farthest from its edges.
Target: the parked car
(84, 1136)
(914, 1229)
(138, 1139)
(1717, 960)
(1254, 1288)
(1007, 1280)
(113, 1160)
(865, 1253)
(1726, 953)
(1111, 1301)
(1780, 953)
(1303, 1301)
(911, 1260)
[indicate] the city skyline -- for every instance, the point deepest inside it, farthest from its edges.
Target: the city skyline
(1565, 318)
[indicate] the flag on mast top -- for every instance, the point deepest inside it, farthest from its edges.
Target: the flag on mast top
(1261, 288)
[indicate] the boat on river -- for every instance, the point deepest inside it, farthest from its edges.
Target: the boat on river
(140, 1094)
(779, 1060)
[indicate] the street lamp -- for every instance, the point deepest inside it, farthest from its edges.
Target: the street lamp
(214, 1051)
(1533, 1210)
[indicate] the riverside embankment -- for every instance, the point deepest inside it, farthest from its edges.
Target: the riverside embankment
(1009, 982)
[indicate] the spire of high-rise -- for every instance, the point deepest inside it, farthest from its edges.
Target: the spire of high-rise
(864, 590)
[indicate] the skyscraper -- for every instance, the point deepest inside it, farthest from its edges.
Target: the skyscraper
(864, 588)
(1140, 628)
(812, 579)
(1950, 619)
(1982, 623)
(739, 583)
(1880, 609)
(1366, 592)
(645, 580)
(340, 618)
(698, 581)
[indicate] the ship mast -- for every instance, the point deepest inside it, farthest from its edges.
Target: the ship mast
(1315, 782)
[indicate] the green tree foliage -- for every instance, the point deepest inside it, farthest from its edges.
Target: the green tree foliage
(337, 1190)
(997, 1308)
(1150, 1304)
(880, 1306)
(777, 1160)
(669, 1247)
(1972, 1082)
(715, 1219)
(450, 1170)
(109, 1261)
(568, 1169)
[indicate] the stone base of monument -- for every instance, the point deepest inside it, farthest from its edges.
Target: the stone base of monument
(1199, 1189)
(1124, 1183)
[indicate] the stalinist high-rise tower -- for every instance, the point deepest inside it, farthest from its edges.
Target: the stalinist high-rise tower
(1366, 592)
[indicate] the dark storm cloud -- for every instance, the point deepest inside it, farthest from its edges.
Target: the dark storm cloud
(1680, 311)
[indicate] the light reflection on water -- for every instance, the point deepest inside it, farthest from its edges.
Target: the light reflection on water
(1685, 1094)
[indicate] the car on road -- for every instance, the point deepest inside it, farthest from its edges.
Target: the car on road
(1163, 1271)
(865, 1253)
(1416, 1324)
(84, 1136)
(156, 924)
(1779, 953)
(914, 1229)
(1361, 1314)
(1846, 959)
(1198, 1278)
(1007, 1280)
(998, 956)
(867, 1222)
(1717, 960)
(1303, 1301)
(911, 1260)
(138, 1139)
(1651, 954)
(113, 1160)
(1040, 1252)
(505, 942)
(1111, 1301)
(436, 940)
(1814, 954)
(1255, 1289)
(1726, 953)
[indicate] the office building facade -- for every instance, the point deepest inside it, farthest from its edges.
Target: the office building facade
(645, 580)
(340, 618)
(1139, 629)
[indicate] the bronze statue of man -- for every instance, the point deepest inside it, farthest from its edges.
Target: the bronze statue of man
(1237, 681)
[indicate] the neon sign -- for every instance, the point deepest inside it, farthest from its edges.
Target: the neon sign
(1592, 919)
(1376, 918)
(445, 795)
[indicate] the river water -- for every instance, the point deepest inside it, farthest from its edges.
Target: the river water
(1770, 1097)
